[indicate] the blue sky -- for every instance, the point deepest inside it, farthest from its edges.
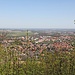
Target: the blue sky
(37, 13)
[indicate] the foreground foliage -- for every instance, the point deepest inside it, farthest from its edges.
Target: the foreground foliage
(48, 64)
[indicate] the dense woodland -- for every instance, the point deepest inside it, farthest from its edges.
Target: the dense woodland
(48, 64)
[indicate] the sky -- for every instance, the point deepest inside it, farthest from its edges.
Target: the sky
(37, 14)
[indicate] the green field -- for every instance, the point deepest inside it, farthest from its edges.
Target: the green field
(19, 33)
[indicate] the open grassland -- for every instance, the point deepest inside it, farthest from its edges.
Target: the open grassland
(19, 33)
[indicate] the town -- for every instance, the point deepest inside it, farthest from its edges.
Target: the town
(32, 43)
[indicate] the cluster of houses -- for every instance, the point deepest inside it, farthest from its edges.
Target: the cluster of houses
(34, 46)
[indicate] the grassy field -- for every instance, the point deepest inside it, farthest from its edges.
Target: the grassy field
(19, 33)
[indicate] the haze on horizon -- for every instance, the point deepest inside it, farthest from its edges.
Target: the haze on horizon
(37, 14)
